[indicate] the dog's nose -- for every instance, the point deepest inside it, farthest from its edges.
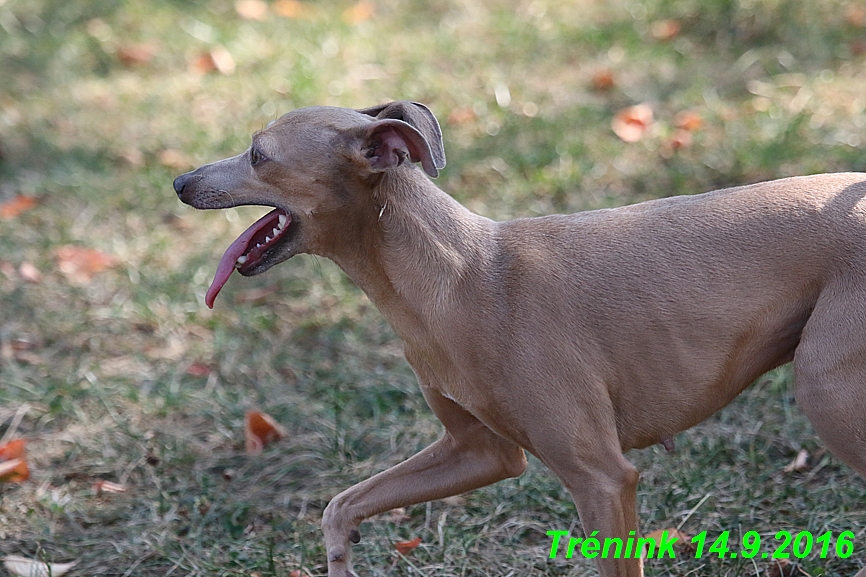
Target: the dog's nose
(181, 181)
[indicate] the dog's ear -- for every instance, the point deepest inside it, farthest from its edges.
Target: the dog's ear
(387, 143)
(419, 117)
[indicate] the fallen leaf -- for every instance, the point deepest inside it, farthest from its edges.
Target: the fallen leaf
(460, 116)
(800, 462)
(13, 463)
(681, 139)
(28, 272)
(135, 54)
(24, 567)
(251, 9)
(198, 369)
(101, 486)
(665, 30)
(15, 206)
(688, 120)
(202, 64)
(81, 264)
(222, 60)
(403, 547)
(295, 573)
(14, 471)
(359, 12)
(174, 159)
(8, 269)
(260, 430)
(855, 15)
(290, 8)
(632, 123)
(603, 79)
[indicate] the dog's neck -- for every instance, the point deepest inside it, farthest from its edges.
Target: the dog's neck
(418, 247)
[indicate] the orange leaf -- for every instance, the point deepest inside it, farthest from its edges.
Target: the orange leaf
(680, 139)
(260, 430)
(136, 54)
(290, 8)
(360, 12)
(81, 264)
(14, 207)
(403, 547)
(603, 79)
(251, 9)
(688, 120)
(13, 466)
(198, 369)
(665, 30)
(855, 15)
(632, 123)
(295, 573)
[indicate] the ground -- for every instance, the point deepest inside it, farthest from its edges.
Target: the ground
(112, 368)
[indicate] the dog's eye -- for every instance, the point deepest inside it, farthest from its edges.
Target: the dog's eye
(256, 156)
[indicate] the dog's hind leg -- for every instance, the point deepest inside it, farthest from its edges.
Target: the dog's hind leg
(830, 372)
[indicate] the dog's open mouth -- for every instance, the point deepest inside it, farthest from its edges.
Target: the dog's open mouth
(249, 250)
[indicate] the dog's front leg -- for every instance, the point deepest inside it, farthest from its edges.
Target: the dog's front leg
(467, 457)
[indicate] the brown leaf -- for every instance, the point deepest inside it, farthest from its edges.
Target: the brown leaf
(631, 124)
(290, 8)
(855, 15)
(665, 30)
(260, 430)
(252, 9)
(359, 12)
(460, 116)
(198, 369)
(15, 206)
(404, 547)
(174, 159)
(295, 573)
(135, 54)
(13, 463)
(680, 139)
(688, 120)
(80, 264)
(603, 79)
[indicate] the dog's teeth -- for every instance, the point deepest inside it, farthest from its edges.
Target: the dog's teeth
(242, 259)
(276, 231)
(268, 239)
(283, 220)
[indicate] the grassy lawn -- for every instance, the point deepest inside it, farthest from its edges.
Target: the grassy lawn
(114, 370)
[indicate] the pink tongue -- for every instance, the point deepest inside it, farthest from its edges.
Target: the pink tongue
(227, 263)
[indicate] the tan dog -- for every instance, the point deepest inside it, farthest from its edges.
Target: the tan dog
(573, 337)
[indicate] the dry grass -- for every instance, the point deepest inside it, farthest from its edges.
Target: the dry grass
(102, 104)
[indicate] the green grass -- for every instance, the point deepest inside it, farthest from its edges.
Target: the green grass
(103, 365)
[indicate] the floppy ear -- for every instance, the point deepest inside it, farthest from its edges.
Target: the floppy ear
(387, 143)
(422, 120)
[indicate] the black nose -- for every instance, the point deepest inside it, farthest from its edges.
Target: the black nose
(181, 181)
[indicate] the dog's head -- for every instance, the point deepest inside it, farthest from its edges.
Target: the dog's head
(315, 166)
